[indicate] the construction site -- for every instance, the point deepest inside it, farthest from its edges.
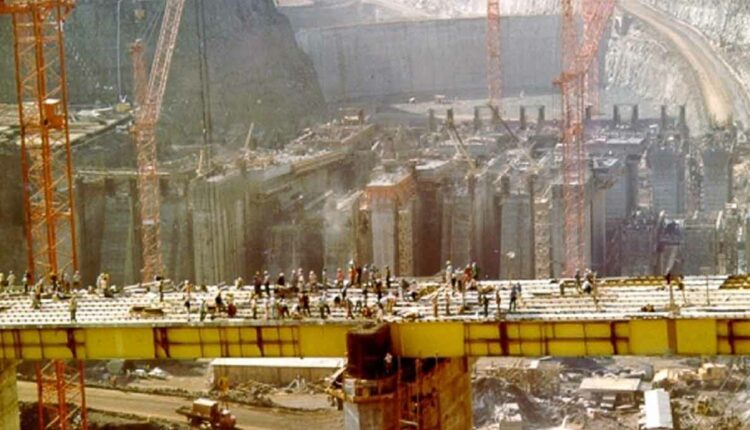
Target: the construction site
(374, 214)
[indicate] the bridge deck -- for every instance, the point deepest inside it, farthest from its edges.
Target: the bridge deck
(713, 321)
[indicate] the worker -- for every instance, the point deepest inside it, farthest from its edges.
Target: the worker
(26, 282)
(485, 302)
(312, 280)
(513, 298)
(267, 283)
(390, 303)
(76, 280)
(11, 281)
(668, 278)
(498, 299)
(73, 308)
(475, 271)
(387, 278)
(231, 310)
(160, 286)
(323, 307)
(681, 287)
(301, 281)
(358, 277)
(349, 306)
(36, 302)
(324, 278)
(587, 287)
(448, 303)
(467, 276)
(203, 310)
(281, 280)
(352, 273)
(54, 281)
(448, 276)
(305, 304)
(365, 289)
(578, 281)
(187, 305)
(253, 302)
(379, 288)
(219, 302)
(257, 283)
(435, 305)
(339, 278)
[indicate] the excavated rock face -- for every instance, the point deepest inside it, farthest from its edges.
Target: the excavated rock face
(257, 73)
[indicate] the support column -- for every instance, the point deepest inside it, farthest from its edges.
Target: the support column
(9, 414)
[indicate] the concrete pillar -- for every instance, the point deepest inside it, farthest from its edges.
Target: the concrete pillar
(522, 117)
(431, 123)
(557, 228)
(9, 415)
(449, 117)
(616, 114)
(635, 115)
(599, 229)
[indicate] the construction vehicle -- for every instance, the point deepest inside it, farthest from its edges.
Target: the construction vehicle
(206, 413)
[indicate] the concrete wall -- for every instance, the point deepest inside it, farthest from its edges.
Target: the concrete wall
(716, 183)
(429, 57)
(667, 180)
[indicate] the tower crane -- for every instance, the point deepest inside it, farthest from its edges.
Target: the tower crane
(144, 134)
(47, 179)
(577, 61)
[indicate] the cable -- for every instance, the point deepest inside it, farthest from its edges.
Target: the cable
(200, 16)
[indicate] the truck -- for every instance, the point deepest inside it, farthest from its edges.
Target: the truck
(208, 414)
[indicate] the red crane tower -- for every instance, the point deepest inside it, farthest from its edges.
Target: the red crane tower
(577, 61)
(47, 175)
(46, 161)
(144, 134)
(494, 73)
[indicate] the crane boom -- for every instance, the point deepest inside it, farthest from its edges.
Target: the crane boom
(144, 131)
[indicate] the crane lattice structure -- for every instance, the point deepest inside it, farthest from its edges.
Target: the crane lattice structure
(47, 175)
(144, 134)
(577, 62)
(494, 73)
(46, 161)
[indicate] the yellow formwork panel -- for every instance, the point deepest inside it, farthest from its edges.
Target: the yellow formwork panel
(480, 331)
(428, 339)
(742, 347)
(248, 335)
(323, 340)
(133, 343)
(565, 348)
(696, 337)
(597, 330)
(649, 337)
(531, 330)
(30, 337)
(741, 328)
(53, 337)
(185, 335)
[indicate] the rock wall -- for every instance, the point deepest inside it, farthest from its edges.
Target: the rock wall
(257, 73)
(725, 23)
(638, 62)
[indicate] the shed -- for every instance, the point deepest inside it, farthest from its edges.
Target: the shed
(274, 371)
(657, 411)
(613, 391)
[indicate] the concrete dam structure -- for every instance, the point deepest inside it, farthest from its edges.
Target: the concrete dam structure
(380, 61)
